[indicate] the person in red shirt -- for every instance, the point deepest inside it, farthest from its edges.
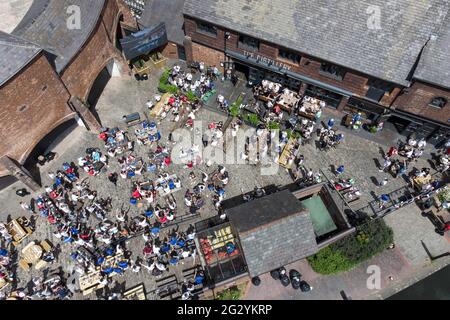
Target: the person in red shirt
(392, 152)
(137, 195)
(103, 136)
(167, 161)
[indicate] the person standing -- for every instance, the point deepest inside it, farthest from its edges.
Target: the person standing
(330, 124)
(26, 207)
(340, 170)
(384, 182)
(112, 177)
(386, 164)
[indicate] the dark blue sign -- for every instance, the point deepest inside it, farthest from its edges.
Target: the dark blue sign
(144, 41)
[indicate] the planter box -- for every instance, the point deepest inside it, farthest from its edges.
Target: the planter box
(160, 63)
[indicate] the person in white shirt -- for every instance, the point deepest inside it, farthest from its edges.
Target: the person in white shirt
(150, 104)
(421, 144)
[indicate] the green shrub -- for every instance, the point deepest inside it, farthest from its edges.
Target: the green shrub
(444, 196)
(235, 110)
(369, 240)
(191, 96)
(273, 125)
(292, 134)
(164, 85)
(252, 118)
(165, 77)
(232, 293)
(329, 261)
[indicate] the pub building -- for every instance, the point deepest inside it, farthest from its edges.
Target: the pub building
(380, 73)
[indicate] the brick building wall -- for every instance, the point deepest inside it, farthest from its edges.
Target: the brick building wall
(99, 51)
(34, 102)
(170, 51)
(212, 53)
(208, 55)
(417, 99)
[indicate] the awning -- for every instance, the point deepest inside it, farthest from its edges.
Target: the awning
(411, 117)
(144, 41)
(258, 63)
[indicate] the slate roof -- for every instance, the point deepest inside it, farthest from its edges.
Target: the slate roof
(335, 30)
(434, 66)
(15, 53)
(46, 25)
(274, 231)
(168, 11)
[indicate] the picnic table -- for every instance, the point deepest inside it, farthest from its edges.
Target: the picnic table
(136, 293)
(91, 281)
(286, 154)
(161, 191)
(158, 108)
(32, 254)
(18, 230)
(290, 101)
(419, 182)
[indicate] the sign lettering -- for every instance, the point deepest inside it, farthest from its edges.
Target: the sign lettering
(268, 61)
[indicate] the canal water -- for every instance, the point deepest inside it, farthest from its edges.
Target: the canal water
(434, 287)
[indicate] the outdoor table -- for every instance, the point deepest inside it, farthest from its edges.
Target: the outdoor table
(137, 293)
(158, 108)
(162, 193)
(32, 253)
(421, 181)
(17, 231)
(287, 151)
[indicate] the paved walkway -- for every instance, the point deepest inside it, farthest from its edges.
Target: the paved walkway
(12, 12)
(124, 95)
(407, 264)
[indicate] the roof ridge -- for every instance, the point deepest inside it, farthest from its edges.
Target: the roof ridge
(6, 39)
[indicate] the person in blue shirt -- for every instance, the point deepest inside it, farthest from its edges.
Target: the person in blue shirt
(340, 170)
(199, 278)
(330, 123)
(3, 252)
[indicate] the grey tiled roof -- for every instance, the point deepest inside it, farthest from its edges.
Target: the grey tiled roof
(265, 210)
(168, 11)
(15, 53)
(280, 243)
(434, 66)
(335, 30)
(46, 25)
(274, 231)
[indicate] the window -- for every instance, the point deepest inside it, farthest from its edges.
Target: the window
(438, 102)
(248, 43)
(381, 85)
(289, 55)
(332, 71)
(378, 88)
(206, 28)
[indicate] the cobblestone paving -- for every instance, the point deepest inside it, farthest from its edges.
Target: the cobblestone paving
(125, 95)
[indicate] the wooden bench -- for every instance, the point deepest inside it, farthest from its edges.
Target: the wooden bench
(136, 293)
(167, 288)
